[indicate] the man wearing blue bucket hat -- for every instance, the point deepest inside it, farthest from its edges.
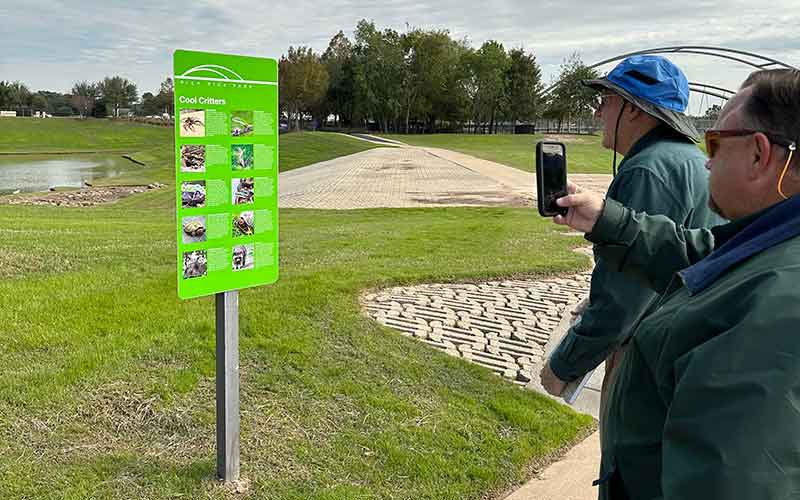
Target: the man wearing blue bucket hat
(642, 106)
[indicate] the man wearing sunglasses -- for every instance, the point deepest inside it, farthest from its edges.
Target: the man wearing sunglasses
(641, 107)
(706, 402)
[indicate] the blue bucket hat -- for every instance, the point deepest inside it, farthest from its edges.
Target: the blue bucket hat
(656, 86)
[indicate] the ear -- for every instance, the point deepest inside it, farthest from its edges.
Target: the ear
(762, 158)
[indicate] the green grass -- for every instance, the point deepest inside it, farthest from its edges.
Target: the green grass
(585, 155)
(35, 135)
(106, 380)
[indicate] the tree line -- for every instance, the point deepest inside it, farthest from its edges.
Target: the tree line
(424, 81)
(415, 81)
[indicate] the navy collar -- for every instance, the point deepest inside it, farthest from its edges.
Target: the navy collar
(755, 234)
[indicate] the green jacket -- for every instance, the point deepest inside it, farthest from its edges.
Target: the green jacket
(662, 174)
(706, 401)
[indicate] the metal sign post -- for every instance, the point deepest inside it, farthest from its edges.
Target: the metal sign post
(227, 308)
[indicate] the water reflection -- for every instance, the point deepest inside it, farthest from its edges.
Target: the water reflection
(28, 173)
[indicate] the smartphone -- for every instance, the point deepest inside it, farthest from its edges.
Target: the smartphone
(551, 177)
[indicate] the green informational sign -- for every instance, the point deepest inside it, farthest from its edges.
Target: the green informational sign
(226, 150)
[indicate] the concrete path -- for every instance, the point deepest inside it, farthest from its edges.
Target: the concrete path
(406, 176)
(568, 479)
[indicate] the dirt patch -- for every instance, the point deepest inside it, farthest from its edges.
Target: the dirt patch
(570, 138)
(84, 197)
(475, 198)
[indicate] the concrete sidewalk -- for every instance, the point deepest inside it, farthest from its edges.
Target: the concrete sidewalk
(568, 479)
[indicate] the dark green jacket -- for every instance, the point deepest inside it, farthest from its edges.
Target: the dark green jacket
(706, 402)
(662, 174)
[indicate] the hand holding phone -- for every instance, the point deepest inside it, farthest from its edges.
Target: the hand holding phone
(551, 177)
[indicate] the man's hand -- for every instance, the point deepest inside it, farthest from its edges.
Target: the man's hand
(584, 207)
(551, 383)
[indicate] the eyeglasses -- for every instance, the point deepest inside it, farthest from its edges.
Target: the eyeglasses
(713, 138)
(602, 100)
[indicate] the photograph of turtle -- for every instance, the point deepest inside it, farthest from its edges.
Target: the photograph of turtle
(243, 191)
(241, 156)
(192, 123)
(194, 229)
(193, 158)
(243, 257)
(243, 224)
(241, 123)
(193, 194)
(195, 264)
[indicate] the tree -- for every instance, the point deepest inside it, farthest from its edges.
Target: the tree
(571, 100)
(340, 96)
(523, 85)
(303, 81)
(19, 97)
(487, 68)
(712, 113)
(39, 103)
(378, 74)
(118, 93)
(150, 104)
(84, 95)
(166, 96)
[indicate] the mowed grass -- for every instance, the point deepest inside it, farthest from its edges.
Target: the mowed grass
(298, 149)
(106, 380)
(585, 155)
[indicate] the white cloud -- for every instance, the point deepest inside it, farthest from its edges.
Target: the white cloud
(50, 45)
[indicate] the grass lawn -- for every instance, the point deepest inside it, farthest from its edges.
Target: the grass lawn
(298, 149)
(107, 379)
(585, 155)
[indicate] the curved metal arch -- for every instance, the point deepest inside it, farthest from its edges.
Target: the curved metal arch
(707, 50)
(761, 62)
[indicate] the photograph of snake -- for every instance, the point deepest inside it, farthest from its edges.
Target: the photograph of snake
(193, 158)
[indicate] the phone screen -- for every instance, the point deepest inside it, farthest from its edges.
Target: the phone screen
(554, 176)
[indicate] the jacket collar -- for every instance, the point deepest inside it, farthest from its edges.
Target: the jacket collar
(658, 133)
(741, 239)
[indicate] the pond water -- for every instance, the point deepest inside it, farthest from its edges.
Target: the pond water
(29, 173)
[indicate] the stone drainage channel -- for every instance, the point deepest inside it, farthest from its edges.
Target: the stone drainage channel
(501, 325)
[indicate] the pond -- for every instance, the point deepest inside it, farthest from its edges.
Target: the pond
(32, 173)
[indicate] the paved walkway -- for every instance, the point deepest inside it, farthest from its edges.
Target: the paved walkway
(406, 176)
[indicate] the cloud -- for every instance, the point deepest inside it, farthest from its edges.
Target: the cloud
(51, 44)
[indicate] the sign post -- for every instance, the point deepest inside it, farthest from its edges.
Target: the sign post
(226, 155)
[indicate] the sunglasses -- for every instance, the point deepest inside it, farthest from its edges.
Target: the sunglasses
(602, 100)
(713, 138)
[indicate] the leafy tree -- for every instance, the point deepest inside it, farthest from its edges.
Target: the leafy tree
(117, 92)
(571, 100)
(19, 97)
(523, 85)
(378, 74)
(84, 95)
(340, 96)
(303, 81)
(150, 104)
(39, 103)
(712, 113)
(166, 97)
(486, 83)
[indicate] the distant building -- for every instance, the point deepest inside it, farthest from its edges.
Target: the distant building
(8, 113)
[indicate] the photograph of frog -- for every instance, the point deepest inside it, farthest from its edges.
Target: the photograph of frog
(243, 191)
(241, 123)
(195, 264)
(193, 158)
(241, 156)
(243, 224)
(192, 123)
(194, 229)
(193, 194)
(243, 257)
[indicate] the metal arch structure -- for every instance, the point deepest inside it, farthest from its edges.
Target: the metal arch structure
(743, 57)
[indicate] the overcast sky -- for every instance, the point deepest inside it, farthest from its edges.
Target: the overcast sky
(50, 44)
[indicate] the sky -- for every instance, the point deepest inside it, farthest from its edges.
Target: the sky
(49, 45)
